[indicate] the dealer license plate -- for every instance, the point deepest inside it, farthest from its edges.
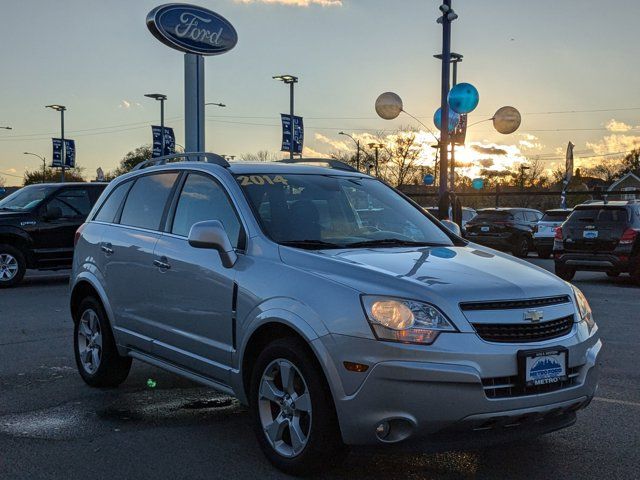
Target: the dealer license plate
(542, 367)
(484, 229)
(590, 234)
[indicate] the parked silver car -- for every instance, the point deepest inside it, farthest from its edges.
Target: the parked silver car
(335, 308)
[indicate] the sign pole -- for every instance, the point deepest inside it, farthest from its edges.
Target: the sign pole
(162, 125)
(194, 102)
(444, 104)
(62, 149)
(292, 125)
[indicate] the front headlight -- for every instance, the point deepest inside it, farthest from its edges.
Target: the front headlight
(584, 309)
(406, 321)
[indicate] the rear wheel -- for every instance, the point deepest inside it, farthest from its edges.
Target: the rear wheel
(565, 273)
(12, 266)
(521, 247)
(97, 358)
(292, 410)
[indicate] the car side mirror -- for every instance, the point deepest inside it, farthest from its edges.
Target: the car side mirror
(452, 227)
(211, 234)
(52, 212)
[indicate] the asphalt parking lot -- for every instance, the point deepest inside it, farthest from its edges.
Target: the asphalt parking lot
(53, 426)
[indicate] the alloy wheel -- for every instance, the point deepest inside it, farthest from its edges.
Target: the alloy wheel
(8, 267)
(284, 406)
(90, 341)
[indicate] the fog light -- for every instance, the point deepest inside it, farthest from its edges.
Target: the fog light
(382, 430)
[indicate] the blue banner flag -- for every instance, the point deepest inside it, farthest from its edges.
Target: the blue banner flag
(57, 152)
(69, 153)
(298, 133)
(169, 141)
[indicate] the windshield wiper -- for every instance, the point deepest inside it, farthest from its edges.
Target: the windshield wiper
(310, 244)
(389, 242)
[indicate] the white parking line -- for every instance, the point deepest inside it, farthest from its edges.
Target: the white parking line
(619, 402)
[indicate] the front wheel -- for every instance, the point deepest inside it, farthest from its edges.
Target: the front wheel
(97, 357)
(565, 273)
(292, 410)
(12, 266)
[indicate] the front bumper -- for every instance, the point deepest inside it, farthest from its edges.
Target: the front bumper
(448, 397)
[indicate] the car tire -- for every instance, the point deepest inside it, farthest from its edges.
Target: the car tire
(13, 266)
(305, 438)
(613, 274)
(521, 247)
(565, 273)
(97, 358)
(544, 253)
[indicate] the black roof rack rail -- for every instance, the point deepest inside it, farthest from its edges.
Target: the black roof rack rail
(321, 162)
(206, 157)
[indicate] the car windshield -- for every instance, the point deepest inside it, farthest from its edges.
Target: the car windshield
(599, 214)
(558, 216)
(26, 198)
(327, 211)
(493, 216)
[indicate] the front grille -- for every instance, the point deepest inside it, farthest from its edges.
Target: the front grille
(524, 332)
(504, 387)
(515, 304)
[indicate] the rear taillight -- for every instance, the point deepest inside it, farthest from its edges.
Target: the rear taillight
(78, 234)
(558, 235)
(628, 237)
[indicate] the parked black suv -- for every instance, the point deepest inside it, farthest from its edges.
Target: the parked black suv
(38, 224)
(505, 229)
(601, 237)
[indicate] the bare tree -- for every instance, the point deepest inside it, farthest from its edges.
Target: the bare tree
(3, 182)
(608, 169)
(260, 156)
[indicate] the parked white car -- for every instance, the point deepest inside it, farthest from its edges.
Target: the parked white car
(546, 229)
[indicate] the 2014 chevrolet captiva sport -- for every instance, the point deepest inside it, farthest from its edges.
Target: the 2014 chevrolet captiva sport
(338, 310)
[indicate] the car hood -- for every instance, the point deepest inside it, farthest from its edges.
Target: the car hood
(445, 274)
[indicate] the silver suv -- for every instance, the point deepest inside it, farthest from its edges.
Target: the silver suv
(333, 306)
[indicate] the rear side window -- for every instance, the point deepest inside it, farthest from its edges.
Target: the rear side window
(202, 198)
(531, 216)
(147, 199)
(110, 207)
(74, 203)
(599, 214)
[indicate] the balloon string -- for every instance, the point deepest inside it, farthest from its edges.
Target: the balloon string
(428, 129)
(480, 121)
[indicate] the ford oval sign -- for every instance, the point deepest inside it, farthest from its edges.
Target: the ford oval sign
(192, 29)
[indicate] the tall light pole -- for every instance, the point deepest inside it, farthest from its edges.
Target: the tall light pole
(61, 109)
(448, 16)
(455, 59)
(44, 164)
(376, 148)
(357, 148)
(291, 81)
(161, 98)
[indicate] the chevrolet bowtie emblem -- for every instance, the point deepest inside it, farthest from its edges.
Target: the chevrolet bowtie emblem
(533, 316)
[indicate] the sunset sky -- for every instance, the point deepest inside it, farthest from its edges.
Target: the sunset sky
(570, 67)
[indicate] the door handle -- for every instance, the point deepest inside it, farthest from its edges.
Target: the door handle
(107, 248)
(162, 265)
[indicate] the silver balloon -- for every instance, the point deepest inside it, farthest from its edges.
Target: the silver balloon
(507, 120)
(388, 105)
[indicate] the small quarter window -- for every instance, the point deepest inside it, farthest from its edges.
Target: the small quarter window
(111, 205)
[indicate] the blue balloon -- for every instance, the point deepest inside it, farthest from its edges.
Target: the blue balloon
(463, 98)
(428, 179)
(477, 183)
(454, 118)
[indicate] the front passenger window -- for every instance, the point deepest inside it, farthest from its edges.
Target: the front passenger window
(202, 198)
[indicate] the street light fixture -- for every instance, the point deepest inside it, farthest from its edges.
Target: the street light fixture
(357, 148)
(222, 105)
(44, 164)
(7, 128)
(290, 80)
(161, 98)
(61, 109)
